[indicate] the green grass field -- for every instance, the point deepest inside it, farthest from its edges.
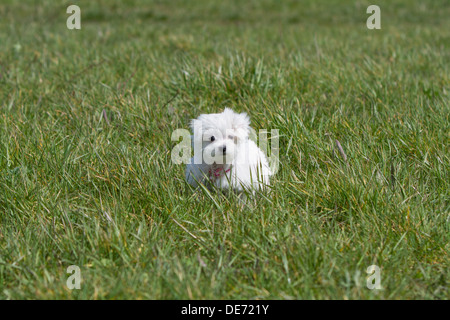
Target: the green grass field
(86, 177)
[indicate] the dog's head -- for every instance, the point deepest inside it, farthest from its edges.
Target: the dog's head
(218, 134)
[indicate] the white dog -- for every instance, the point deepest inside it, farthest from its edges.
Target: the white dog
(224, 156)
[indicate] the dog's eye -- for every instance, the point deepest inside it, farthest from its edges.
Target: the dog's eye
(231, 137)
(213, 138)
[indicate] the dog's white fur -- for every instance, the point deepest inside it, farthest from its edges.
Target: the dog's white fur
(242, 166)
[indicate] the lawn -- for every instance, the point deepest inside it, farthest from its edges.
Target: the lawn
(86, 177)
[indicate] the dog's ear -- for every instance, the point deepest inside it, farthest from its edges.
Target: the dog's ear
(241, 125)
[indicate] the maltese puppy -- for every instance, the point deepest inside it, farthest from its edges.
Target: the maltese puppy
(224, 156)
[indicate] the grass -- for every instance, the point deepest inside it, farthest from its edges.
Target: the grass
(86, 179)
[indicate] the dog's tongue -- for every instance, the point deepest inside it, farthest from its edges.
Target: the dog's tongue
(216, 169)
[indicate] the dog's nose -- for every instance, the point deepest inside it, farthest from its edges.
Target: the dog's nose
(224, 149)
